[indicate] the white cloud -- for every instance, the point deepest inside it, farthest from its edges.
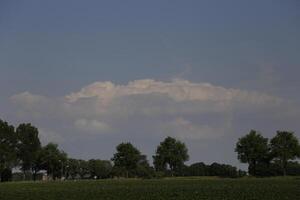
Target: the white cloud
(91, 125)
(104, 107)
(178, 90)
(186, 129)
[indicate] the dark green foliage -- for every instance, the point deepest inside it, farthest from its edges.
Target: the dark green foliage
(8, 150)
(285, 146)
(77, 168)
(198, 169)
(215, 169)
(170, 155)
(143, 168)
(29, 146)
(52, 160)
(72, 168)
(241, 173)
(84, 171)
(252, 149)
(22, 149)
(222, 170)
(269, 159)
(6, 175)
(293, 169)
(275, 169)
(100, 168)
(129, 162)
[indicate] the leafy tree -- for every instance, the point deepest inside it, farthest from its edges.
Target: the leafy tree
(72, 168)
(29, 146)
(100, 168)
(52, 160)
(6, 175)
(170, 154)
(241, 173)
(198, 169)
(293, 169)
(8, 141)
(223, 170)
(126, 159)
(144, 170)
(83, 169)
(285, 146)
(215, 169)
(252, 149)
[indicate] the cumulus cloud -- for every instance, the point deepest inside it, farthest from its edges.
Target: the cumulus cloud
(179, 108)
(91, 125)
(178, 90)
(185, 129)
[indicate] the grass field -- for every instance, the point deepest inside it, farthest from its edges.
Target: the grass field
(182, 188)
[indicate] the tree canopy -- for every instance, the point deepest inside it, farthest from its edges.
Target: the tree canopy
(29, 146)
(8, 150)
(52, 160)
(170, 155)
(21, 148)
(127, 157)
(285, 146)
(252, 149)
(99, 168)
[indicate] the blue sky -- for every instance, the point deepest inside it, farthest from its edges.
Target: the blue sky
(50, 49)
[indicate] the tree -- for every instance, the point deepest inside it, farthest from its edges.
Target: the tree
(83, 169)
(99, 168)
(252, 149)
(170, 155)
(76, 167)
(223, 170)
(52, 160)
(8, 151)
(126, 159)
(6, 175)
(144, 170)
(29, 146)
(198, 169)
(285, 146)
(72, 168)
(293, 169)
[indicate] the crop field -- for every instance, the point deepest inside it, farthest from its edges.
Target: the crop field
(188, 189)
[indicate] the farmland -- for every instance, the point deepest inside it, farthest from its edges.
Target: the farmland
(177, 188)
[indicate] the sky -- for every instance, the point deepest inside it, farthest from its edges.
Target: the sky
(92, 74)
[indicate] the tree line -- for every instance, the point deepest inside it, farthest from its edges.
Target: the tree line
(21, 148)
(269, 157)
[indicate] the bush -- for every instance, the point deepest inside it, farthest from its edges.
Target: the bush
(6, 175)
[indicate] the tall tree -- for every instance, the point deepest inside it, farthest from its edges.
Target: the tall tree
(8, 151)
(72, 168)
(83, 168)
(99, 168)
(198, 169)
(285, 146)
(252, 149)
(170, 154)
(52, 160)
(126, 158)
(29, 146)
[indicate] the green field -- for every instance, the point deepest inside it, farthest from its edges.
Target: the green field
(188, 189)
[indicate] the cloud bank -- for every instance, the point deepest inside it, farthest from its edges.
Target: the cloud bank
(178, 108)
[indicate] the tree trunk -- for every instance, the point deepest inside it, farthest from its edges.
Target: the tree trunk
(24, 175)
(34, 175)
(284, 168)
